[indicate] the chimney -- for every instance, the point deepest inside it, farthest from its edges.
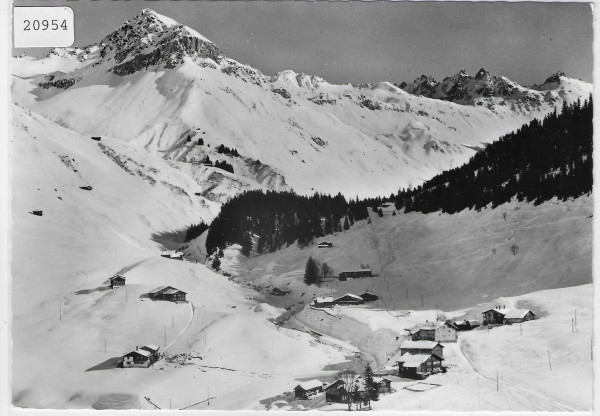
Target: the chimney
(136, 347)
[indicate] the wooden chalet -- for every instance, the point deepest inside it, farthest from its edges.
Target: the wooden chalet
(348, 299)
(322, 302)
(115, 281)
(513, 316)
(422, 347)
(354, 274)
(419, 366)
(308, 388)
(336, 392)
(141, 357)
(325, 244)
(433, 331)
(167, 293)
(369, 297)
(501, 316)
(383, 385)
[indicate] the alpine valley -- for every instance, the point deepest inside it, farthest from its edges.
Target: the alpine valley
(119, 146)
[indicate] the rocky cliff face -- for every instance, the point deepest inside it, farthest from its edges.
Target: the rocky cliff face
(465, 89)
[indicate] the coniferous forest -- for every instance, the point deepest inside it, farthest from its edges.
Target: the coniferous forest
(278, 219)
(540, 161)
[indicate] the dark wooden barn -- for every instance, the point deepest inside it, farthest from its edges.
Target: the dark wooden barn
(419, 366)
(348, 299)
(336, 392)
(369, 297)
(354, 274)
(167, 293)
(384, 385)
(308, 388)
(116, 281)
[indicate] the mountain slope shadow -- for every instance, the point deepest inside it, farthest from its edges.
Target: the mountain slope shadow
(169, 240)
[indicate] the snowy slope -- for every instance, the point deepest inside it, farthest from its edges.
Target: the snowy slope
(452, 260)
(62, 310)
(154, 83)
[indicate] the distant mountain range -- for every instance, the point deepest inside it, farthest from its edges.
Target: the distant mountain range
(162, 87)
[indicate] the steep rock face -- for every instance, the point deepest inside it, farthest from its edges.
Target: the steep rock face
(464, 89)
(151, 39)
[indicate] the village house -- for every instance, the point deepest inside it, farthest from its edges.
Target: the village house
(322, 302)
(308, 388)
(325, 244)
(141, 357)
(422, 347)
(387, 207)
(115, 281)
(501, 316)
(419, 366)
(383, 385)
(167, 293)
(348, 299)
(354, 274)
(369, 297)
(433, 331)
(336, 392)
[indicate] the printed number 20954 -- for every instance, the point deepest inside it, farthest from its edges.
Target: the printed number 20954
(45, 24)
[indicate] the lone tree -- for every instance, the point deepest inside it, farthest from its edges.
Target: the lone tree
(216, 263)
(326, 271)
(311, 272)
(348, 377)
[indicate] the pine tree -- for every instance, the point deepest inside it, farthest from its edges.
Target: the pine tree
(346, 224)
(370, 384)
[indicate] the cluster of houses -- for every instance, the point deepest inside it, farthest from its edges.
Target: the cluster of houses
(347, 299)
(338, 390)
(169, 293)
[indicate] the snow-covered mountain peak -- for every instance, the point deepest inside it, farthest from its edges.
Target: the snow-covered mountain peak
(482, 74)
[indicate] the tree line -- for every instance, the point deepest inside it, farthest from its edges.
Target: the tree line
(539, 161)
(277, 219)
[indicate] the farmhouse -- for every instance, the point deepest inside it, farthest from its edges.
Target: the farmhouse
(433, 331)
(115, 281)
(422, 347)
(167, 293)
(513, 316)
(506, 316)
(336, 392)
(418, 366)
(308, 388)
(348, 299)
(353, 274)
(384, 385)
(387, 207)
(178, 255)
(322, 302)
(141, 357)
(325, 244)
(369, 297)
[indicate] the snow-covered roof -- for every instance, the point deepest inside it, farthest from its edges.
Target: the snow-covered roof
(355, 271)
(172, 290)
(380, 379)
(141, 352)
(515, 313)
(324, 299)
(425, 325)
(422, 344)
(311, 384)
(351, 295)
(413, 360)
(117, 276)
(176, 254)
(152, 347)
(159, 289)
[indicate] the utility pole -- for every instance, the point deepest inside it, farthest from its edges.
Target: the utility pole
(497, 382)
(549, 363)
(105, 346)
(165, 336)
(422, 301)
(60, 312)
(208, 394)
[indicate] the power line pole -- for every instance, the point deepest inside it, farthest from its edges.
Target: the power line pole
(549, 363)
(165, 336)
(497, 382)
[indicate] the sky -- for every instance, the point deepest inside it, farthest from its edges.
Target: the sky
(372, 41)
